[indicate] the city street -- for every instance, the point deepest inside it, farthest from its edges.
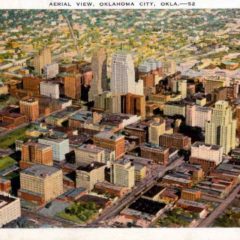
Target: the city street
(137, 192)
(220, 209)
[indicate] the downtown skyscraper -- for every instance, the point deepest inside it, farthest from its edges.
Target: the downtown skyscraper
(123, 75)
(221, 130)
(99, 68)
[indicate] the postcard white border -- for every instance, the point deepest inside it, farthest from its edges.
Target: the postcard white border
(121, 234)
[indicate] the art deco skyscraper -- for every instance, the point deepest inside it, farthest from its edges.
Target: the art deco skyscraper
(99, 68)
(41, 59)
(123, 75)
(221, 130)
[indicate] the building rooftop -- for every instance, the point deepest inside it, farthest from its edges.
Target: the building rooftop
(82, 115)
(177, 179)
(91, 148)
(176, 103)
(5, 199)
(100, 201)
(147, 206)
(153, 147)
(41, 171)
(210, 146)
(91, 166)
(54, 139)
(134, 160)
(37, 145)
(109, 136)
(137, 126)
(174, 135)
(191, 203)
(153, 191)
(29, 100)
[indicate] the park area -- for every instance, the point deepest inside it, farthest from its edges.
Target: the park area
(79, 212)
(177, 217)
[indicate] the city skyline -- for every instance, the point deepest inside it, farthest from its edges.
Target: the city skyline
(119, 119)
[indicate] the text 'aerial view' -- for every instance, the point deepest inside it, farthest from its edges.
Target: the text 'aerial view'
(121, 118)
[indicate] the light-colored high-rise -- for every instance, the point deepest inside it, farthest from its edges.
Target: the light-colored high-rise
(10, 208)
(221, 130)
(50, 89)
(99, 68)
(124, 173)
(180, 86)
(88, 176)
(41, 59)
(60, 147)
(212, 153)
(196, 116)
(41, 183)
(157, 128)
(88, 153)
(123, 75)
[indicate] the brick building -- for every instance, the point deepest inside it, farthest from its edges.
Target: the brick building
(13, 119)
(175, 140)
(36, 153)
(139, 130)
(72, 85)
(157, 153)
(30, 108)
(133, 104)
(31, 84)
(111, 141)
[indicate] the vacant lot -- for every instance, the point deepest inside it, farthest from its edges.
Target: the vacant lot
(10, 138)
(6, 162)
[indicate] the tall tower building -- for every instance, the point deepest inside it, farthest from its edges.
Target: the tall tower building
(123, 75)
(180, 86)
(41, 59)
(156, 129)
(99, 68)
(36, 153)
(123, 174)
(72, 85)
(221, 130)
(30, 108)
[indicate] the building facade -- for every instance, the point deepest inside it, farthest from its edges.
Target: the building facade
(41, 59)
(221, 130)
(123, 174)
(111, 141)
(72, 85)
(30, 108)
(40, 184)
(174, 108)
(36, 153)
(157, 153)
(99, 69)
(88, 176)
(196, 116)
(208, 156)
(59, 146)
(88, 153)
(10, 208)
(50, 89)
(123, 75)
(156, 128)
(175, 140)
